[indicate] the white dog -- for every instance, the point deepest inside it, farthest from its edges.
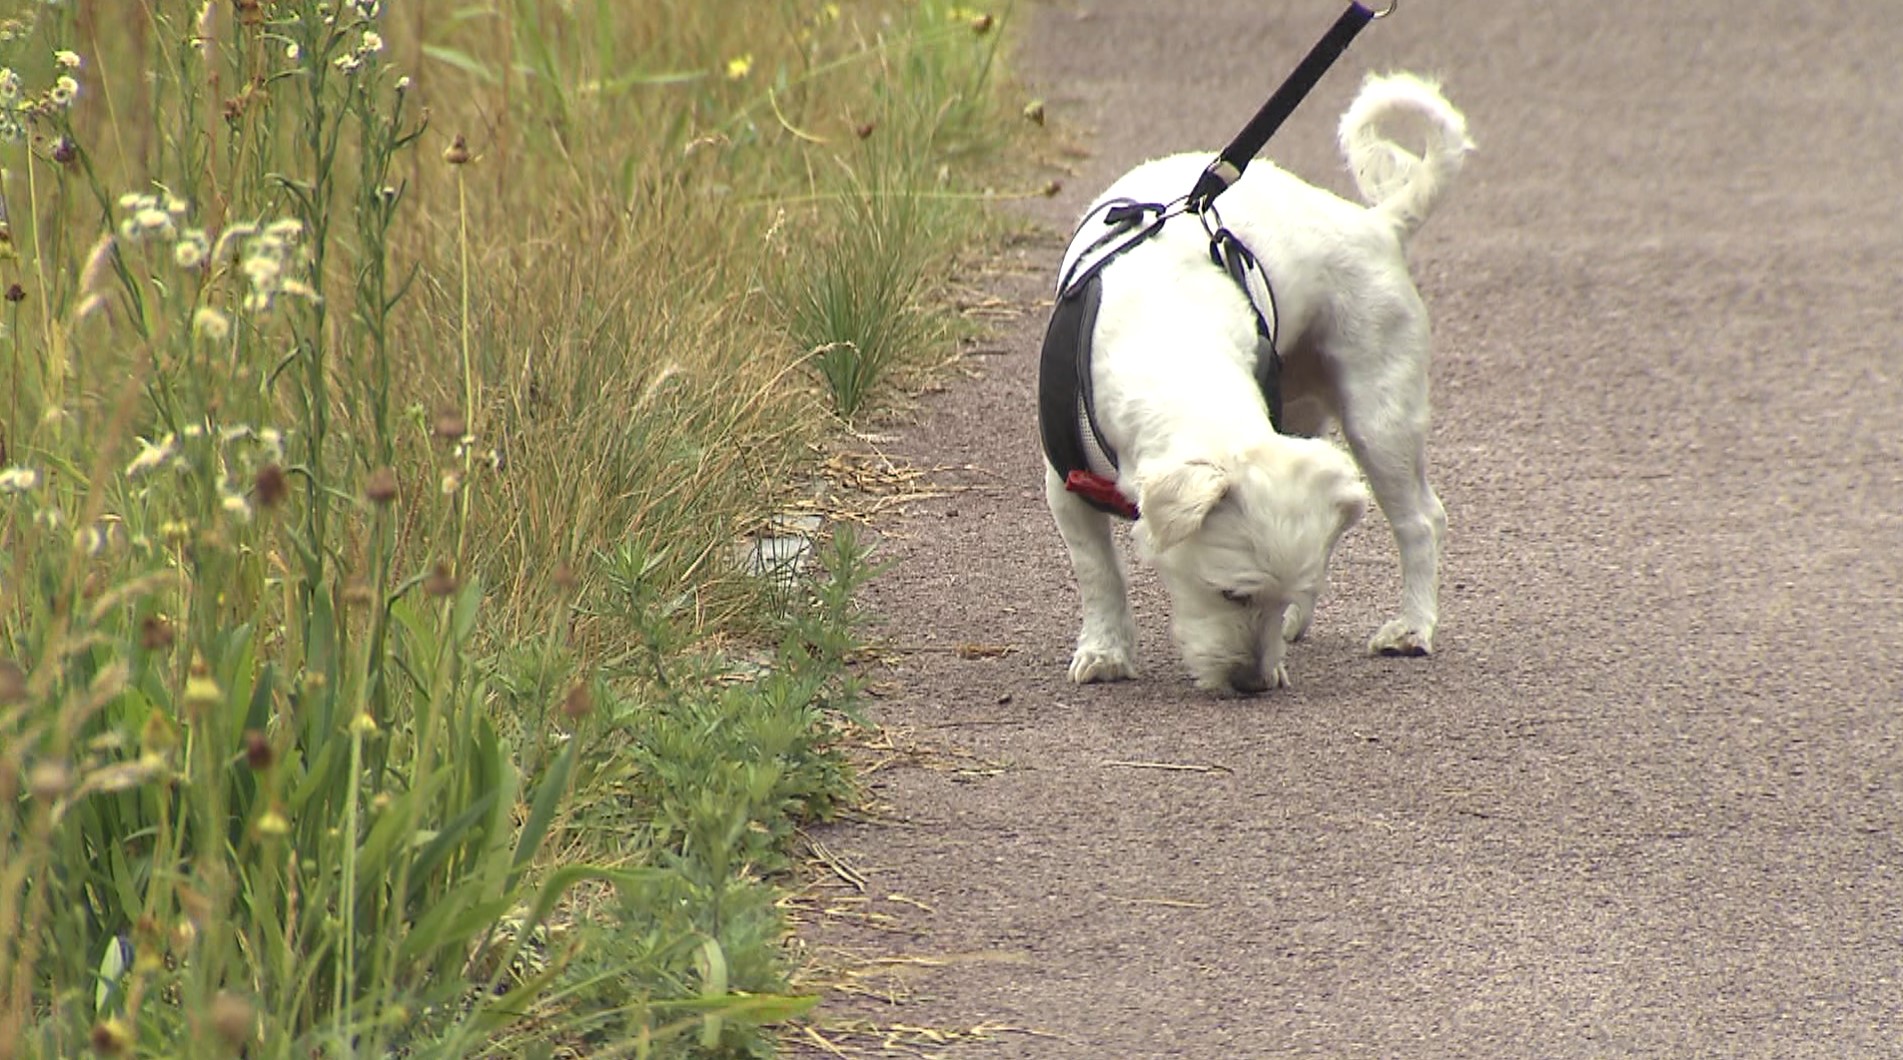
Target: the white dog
(1240, 520)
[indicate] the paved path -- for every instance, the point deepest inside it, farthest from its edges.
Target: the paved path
(1648, 798)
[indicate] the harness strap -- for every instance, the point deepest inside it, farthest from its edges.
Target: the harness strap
(1063, 398)
(1241, 265)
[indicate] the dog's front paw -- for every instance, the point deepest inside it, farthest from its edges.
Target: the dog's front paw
(1400, 637)
(1278, 678)
(1091, 665)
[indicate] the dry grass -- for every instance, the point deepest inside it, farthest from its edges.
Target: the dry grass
(537, 358)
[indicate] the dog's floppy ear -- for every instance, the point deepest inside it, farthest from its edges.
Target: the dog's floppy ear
(1176, 500)
(1351, 503)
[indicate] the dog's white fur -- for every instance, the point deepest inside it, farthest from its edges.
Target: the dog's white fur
(1239, 520)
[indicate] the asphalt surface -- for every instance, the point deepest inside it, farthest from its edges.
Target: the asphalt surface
(1647, 797)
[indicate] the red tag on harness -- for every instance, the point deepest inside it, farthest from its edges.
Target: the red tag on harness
(1100, 491)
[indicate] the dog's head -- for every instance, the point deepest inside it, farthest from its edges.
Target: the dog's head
(1239, 538)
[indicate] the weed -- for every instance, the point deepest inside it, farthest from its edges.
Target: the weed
(374, 380)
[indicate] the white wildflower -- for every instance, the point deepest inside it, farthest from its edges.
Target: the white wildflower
(63, 92)
(151, 216)
(210, 324)
(291, 51)
(18, 479)
(9, 86)
(294, 286)
(268, 261)
(232, 234)
(372, 42)
(273, 441)
(66, 60)
(152, 455)
(262, 270)
(151, 221)
(192, 248)
(234, 504)
(349, 62)
(403, 83)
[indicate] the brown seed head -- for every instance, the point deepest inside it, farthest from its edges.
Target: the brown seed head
(457, 152)
(380, 487)
(981, 24)
(1034, 112)
(357, 593)
(159, 734)
(155, 633)
(439, 582)
(864, 130)
(194, 903)
(234, 1019)
(65, 150)
(12, 683)
(271, 486)
(49, 780)
(15, 293)
(1051, 189)
(579, 703)
(449, 426)
(258, 752)
(111, 1037)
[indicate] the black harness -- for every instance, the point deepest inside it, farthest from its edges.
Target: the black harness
(1067, 420)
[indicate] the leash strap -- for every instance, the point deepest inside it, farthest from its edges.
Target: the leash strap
(1228, 166)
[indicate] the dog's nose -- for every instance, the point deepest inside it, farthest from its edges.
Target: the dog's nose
(1247, 679)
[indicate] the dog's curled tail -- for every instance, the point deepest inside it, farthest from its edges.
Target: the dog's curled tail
(1395, 181)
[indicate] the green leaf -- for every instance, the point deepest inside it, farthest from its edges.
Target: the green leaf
(548, 797)
(461, 61)
(446, 839)
(463, 618)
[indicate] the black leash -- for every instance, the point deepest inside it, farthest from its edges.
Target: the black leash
(1228, 166)
(1065, 407)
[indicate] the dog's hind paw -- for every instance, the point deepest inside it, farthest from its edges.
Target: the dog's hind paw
(1401, 638)
(1091, 665)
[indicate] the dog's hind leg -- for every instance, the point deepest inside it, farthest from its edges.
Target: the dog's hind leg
(1106, 645)
(1384, 419)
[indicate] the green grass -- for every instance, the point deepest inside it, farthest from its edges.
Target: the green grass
(385, 391)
